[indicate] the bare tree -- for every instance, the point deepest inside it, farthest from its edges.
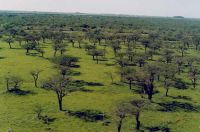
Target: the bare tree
(35, 75)
(13, 82)
(193, 75)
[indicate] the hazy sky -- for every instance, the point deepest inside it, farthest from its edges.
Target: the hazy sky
(187, 8)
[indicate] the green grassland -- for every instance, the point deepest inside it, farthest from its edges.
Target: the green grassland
(17, 111)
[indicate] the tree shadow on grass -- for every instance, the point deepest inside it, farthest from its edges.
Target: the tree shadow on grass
(182, 97)
(47, 120)
(86, 90)
(2, 58)
(84, 83)
(107, 64)
(75, 73)
(180, 84)
(20, 92)
(158, 129)
(88, 115)
(94, 84)
(175, 106)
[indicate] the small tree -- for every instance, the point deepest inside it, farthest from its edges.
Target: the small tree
(167, 84)
(182, 49)
(138, 107)
(35, 75)
(29, 46)
(116, 47)
(146, 43)
(79, 40)
(179, 63)
(130, 76)
(167, 56)
(13, 82)
(95, 54)
(9, 41)
(38, 110)
(193, 75)
(58, 45)
(120, 114)
(41, 51)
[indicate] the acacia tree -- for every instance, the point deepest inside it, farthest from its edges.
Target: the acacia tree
(179, 64)
(61, 86)
(145, 79)
(168, 73)
(146, 43)
(167, 56)
(182, 49)
(116, 47)
(79, 40)
(35, 75)
(58, 45)
(193, 75)
(120, 113)
(41, 51)
(29, 46)
(13, 82)
(19, 39)
(130, 76)
(140, 59)
(9, 41)
(138, 107)
(167, 84)
(71, 39)
(95, 54)
(196, 41)
(134, 107)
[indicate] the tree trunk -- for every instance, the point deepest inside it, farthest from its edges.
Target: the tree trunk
(167, 90)
(10, 45)
(27, 51)
(138, 121)
(150, 92)
(130, 84)
(97, 59)
(55, 53)
(194, 83)
(119, 126)
(59, 101)
(79, 44)
(7, 85)
(60, 104)
(35, 81)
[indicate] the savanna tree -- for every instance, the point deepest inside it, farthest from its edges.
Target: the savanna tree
(13, 82)
(193, 76)
(61, 86)
(35, 74)
(9, 40)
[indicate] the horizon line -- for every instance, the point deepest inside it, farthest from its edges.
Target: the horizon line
(88, 13)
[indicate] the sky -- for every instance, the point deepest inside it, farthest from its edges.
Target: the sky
(186, 8)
